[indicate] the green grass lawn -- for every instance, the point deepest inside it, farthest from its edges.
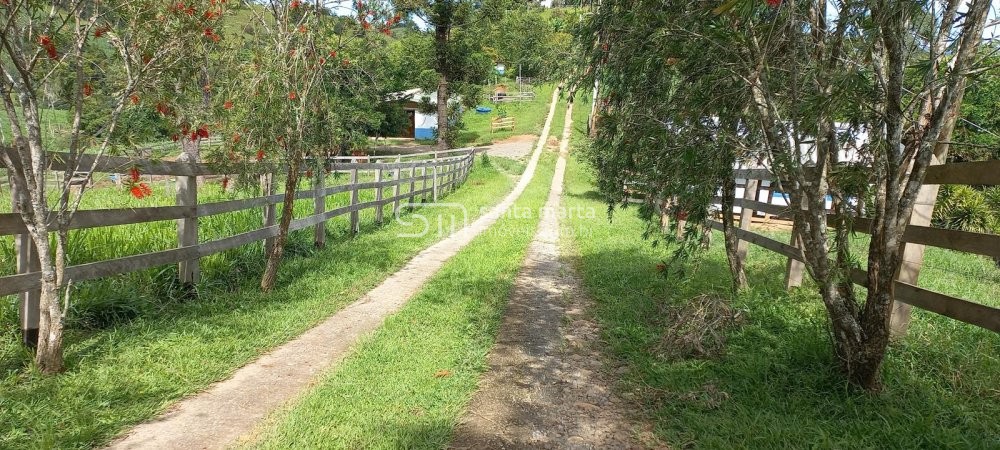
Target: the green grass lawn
(529, 116)
(776, 385)
(407, 385)
(136, 366)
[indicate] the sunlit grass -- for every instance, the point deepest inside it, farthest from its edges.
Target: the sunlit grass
(777, 386)
(159, 348)
(407, 385)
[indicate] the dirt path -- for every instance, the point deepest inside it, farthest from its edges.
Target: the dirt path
(229, 409)
(517, 147)
(544, 387)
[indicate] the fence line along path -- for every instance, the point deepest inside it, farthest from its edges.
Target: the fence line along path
(230, 409)
(437, 173)
(907, 291)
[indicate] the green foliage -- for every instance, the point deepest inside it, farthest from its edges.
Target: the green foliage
(977, 134)
(777, 369)
(968, 209)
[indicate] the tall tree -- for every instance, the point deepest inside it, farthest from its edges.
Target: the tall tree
(817, 79)
(294, 93)
(458, 59)
(138, 41)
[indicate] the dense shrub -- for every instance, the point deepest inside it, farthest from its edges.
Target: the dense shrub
(968, 209)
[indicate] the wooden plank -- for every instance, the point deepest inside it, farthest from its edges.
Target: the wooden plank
(972, 173)
(319, 206)
(10, 223)
(959, 309)
(188, 271)
(119, 164)
(379, 211)
(763, 241)
(395, 191)
(355, 224)
(435, 184)
(746, 216)
(413, 185)
(26, 255)
(963, 241)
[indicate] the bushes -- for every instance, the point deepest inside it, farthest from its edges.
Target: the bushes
(968, 209)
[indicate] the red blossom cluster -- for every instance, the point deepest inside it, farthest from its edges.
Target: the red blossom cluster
(367, 15)
(200, 133)
(137, 188)
(50, 47)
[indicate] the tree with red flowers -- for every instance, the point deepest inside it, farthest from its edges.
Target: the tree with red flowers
(288, 94)
(139, 42)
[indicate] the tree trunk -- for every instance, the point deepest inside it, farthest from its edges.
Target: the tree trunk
(729, 233)
(442, 113)
(442, 32)
(274, 258)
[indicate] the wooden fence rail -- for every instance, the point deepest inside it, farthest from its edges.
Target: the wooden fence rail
(975, 173)
(446, 174)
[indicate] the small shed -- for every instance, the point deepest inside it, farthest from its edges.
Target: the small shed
(422, 125)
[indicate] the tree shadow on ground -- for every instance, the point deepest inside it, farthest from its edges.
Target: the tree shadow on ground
(777, 384)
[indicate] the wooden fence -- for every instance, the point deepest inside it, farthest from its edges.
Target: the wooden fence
(501, 123)
(436, 172)
(971, 173)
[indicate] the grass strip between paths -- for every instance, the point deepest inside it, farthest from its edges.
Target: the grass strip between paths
(406, 385)
(120, 376)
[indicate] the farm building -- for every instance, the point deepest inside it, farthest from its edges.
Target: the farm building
(422, 124)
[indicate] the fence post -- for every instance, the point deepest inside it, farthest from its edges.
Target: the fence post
(188, 271)
(423, 188)
(435, 184)
(378, 198)
(319, 207)
(395, 188)
(355, 225)
(795, 268)
(746, 217)
(413, 184)
(664, 215)
(270, 210)
(27, 262)
(913, 254)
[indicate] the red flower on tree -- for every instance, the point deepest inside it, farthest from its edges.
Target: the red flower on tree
(46, 42)
(260, 155)
(292, 95)
(228, 104)
(140, 190)
(135, 187)
(87, 90)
